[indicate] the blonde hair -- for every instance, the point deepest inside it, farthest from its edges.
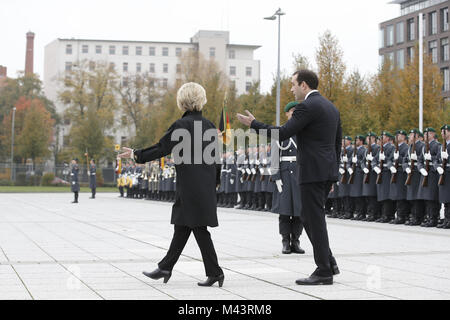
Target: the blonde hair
(191, 97)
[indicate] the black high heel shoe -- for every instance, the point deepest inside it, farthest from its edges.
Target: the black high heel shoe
(158, 274)
(211, 280)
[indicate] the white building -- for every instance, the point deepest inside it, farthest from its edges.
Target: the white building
(160, 59)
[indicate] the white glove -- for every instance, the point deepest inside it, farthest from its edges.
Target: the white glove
(377, 170)
(242, 180)
(393, 170)
(427, 156)
(232, 181)
(264, 161)
(423, 172)
(369, 157)
(354, 159)
(444, 155)
(408, 170)
(89, 173)
(440, 170)
(279, 183)
(396, 155)
(350, 171)
(257, 162)
(341, 171)
(261, 170)
(248, 171)
(243, 171)
(414, 156)
(73, 182)
(253, 170)
(382, 156)
(366, 171)
(344, 158)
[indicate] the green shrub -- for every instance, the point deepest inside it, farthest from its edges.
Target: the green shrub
(6, 183)
(47, 179)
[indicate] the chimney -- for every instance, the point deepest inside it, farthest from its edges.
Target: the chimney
(3, 72)
(29, 54)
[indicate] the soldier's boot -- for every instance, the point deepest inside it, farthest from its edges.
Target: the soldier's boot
(286, 239)
(348, 215)
(295, 244)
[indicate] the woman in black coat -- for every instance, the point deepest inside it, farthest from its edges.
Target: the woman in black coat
(195, 205)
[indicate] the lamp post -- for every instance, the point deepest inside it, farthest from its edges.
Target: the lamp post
(12, 144)
(278, 13)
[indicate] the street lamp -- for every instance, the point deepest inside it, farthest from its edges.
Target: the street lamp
(278, 13)
(12, 144)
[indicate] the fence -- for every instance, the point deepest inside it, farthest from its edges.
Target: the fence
(28, 174)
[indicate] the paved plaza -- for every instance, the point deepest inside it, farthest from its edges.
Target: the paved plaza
(97, 249)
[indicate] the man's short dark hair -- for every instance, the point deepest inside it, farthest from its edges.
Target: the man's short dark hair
(309, 77)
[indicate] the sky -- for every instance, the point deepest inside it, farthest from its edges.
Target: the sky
(353, 22)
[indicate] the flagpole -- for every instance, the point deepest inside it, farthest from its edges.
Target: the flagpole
(421, 71)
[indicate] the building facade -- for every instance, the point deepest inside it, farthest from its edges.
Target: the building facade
(159, 59)
(399, 36)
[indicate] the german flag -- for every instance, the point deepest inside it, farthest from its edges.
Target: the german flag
(224, 127)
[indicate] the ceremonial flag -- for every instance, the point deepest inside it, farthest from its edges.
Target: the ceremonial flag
(224, 125)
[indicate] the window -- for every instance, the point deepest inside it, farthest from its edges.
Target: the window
(68, 49)
(424, 25)
(410, 53)
(411, 29)
(232, 71)
(390, 56)
(444, 19)
(390, 36)
(85, 48)
(98, 49)
(248, 86)
(112, 49)
(112, 66)
(231, 54)
(125, 81)
(138, 67)
(165, 51)
(125, 50)
(432, 50)
(139, 51)
(446, 79)
(91, 65)
(152, 67)
(401, 59)
(178, 68)
(212, 52)
(165, 68)
(178, 52)
(433, 22)
(400, 32)
(151, 51)
(164, 83)
(444, 49)
(68, 66)
(248, 71)
(125, 67)
(381, 60)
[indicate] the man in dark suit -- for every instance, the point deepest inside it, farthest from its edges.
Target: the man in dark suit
(316, 124)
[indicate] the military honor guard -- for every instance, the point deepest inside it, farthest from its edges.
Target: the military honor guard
(370, 177)
(344, 187)
(92, 178)
(355, 180)
(240, 177)
(75, 185)
(444, 176)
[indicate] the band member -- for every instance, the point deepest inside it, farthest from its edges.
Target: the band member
(92, 178)
(75, 186)
(195, 206)
(286, 201)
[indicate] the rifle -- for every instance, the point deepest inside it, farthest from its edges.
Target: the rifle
(380, 175)
(444, 162)
(394, 175)
(411, 167)
(369, 165)
(427, 162)
(352, 176)
(344, 178)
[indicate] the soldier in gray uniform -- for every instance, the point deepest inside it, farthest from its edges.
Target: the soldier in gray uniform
(258, 177)
(356, 182)
(344, 188)
(397, 190)
(269, 184)
(240, 173)
(286, 200)
(253, 184)
(75, 186)
(430, 192)
(92, 178)
(230, 180)
(386, 157)
(223, 177)
(412, 187)
(370, 177)
(247, 182)
(444, 174)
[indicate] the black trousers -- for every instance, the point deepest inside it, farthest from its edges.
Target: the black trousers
(432, 209)
(93, 192)
(290, 225)
(418, 210)
(179, 240)
(268, 196)
(313, 196)
(360, 206)
(121, 191)
(387, 209)
(373, 207)
(403, 209)
(76, 195)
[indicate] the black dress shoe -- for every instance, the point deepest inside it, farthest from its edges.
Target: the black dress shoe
(286, 248)
(335, 269)
(295, 247)
(211, 280)
(314, 280)
(74, 201)
(158, 274)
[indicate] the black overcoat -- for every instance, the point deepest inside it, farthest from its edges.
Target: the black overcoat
(195, 198)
